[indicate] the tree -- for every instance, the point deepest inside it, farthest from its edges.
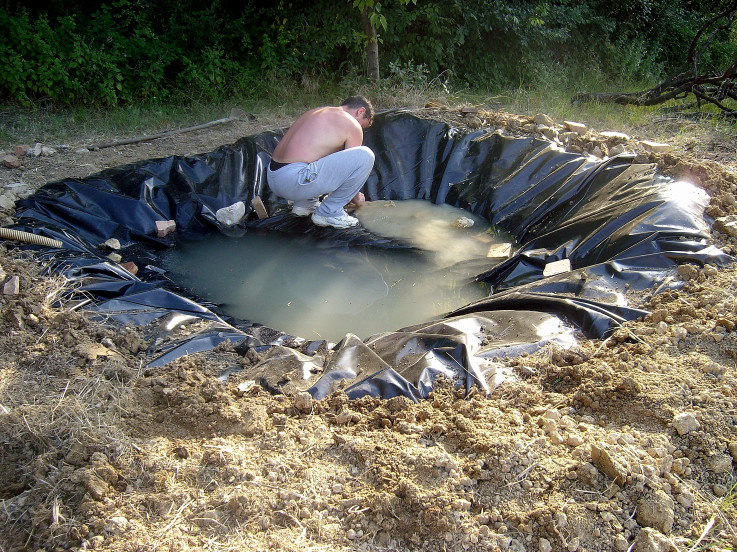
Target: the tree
(372, 18)
(715, 87)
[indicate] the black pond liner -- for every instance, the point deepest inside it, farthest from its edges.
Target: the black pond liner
(619, 224)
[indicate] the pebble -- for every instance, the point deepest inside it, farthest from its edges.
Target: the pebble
(656, 510)
(650, 540)
(303, 401)
(544, 545)
(721, 463)
(574, 440)
(685, 422)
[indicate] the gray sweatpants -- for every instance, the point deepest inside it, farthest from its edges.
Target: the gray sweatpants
(341, 175)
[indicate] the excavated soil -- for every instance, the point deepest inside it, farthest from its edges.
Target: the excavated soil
(624, 443)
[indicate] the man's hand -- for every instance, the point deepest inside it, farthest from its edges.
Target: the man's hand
(358, 200)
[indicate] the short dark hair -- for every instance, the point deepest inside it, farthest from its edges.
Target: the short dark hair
(354, 102)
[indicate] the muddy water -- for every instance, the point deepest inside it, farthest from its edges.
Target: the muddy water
(317, 291)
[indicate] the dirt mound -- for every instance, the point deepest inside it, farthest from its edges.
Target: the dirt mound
(625, 442)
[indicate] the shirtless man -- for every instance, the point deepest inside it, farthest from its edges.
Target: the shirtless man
(321, 153)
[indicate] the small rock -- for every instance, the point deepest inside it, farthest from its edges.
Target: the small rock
(685, 422)
(615, 135)
(603, 461)
(573, 544)
(550, 134)
(688, 272)
(650, 540)
(733, 449)
(303, 401)
(578, 128)
(542, 119)
(620, 543)
(47, 151)
(656, 510)
(463, 222)
(557, 267)
(500, 250)
(112, 243)
(131, 267)
(36, 151)
(544, 545)
(259, 207)
(81, 150)
(115, 257)
(165, 227)
(727, 225)
(616, 150)
(21, 150)
(117, 525)
(473, 122)
(7, 201)
(232, 214)
(721, 463)
(11, 161)
(656, 147)
(574, 440)
(719, 490)
(12, 286)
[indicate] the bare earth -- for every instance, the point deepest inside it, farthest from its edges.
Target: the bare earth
(627, 443)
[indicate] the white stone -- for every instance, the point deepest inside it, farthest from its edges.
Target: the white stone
(685, 422)
(578, 128)
(232, 214)
(112, 243)
(544, 545)
(656, 147)
(501, 250)
(557, 267)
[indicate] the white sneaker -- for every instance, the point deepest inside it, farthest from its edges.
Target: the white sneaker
(303, 211)
(341, 221)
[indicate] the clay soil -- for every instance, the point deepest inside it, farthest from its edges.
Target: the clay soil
(616, 444)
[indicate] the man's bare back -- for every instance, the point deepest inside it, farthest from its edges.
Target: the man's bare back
(320, 132)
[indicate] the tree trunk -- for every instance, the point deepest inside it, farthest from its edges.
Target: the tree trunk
(372, 47)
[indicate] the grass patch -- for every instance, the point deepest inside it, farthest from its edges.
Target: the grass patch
(405, 86)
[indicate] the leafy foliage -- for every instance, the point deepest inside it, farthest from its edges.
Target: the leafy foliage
(124, 51)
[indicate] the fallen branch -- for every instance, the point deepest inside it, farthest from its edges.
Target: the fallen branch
(235, 115)
(707, 88)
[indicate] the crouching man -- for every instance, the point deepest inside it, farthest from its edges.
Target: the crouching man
(320, 154)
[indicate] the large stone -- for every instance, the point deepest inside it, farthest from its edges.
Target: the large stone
(656, 510)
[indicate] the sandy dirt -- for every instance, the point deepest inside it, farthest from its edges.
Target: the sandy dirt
(627, 443)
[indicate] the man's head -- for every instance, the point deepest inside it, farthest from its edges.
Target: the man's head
(361, 109)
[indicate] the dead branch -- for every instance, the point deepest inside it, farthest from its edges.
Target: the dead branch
(235, 115)
(708, 88)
